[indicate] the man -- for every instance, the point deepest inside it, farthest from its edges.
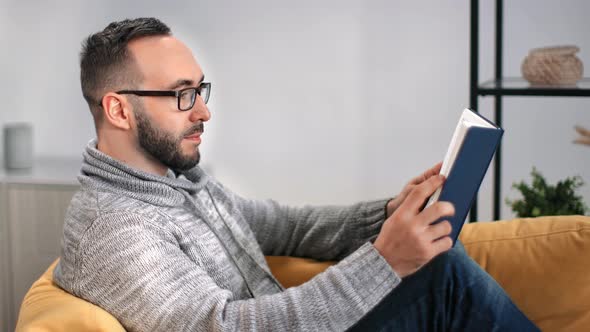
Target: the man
(162, 246)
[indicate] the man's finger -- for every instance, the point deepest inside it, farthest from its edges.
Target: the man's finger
(421, 192)
(439, 230)
(434, 170)
(436, 211)
(442, 244)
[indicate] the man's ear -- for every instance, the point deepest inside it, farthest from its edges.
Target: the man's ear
(117, 110)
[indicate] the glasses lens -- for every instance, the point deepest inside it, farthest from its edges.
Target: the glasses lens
(205, 91)
(186, 100)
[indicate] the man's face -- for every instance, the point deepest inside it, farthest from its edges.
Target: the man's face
(165, 134)
(163, 145)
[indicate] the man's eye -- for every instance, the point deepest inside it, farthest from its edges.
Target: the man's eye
(185, 95)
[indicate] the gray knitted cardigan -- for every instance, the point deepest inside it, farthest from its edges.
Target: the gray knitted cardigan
(182, 253)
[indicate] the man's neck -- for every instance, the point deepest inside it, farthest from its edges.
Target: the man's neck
(131, 157)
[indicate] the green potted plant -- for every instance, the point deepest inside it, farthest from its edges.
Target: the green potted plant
(543, 199)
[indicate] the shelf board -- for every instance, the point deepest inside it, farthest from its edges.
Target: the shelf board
(516, 86)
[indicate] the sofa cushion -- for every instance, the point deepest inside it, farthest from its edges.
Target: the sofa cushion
(542, 263)
(294, 271)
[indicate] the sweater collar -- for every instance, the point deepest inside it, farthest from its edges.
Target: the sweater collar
(104, 172)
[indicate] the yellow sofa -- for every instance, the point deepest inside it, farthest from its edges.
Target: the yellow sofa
(543, 263)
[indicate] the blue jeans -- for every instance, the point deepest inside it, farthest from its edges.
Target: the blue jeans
(450, 293)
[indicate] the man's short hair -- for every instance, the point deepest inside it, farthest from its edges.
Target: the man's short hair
(105, 62)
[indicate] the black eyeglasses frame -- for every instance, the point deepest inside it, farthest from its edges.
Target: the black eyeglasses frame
(174, 93)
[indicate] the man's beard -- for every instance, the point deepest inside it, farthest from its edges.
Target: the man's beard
(163, 146)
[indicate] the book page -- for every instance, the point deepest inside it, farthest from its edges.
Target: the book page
(467, 120)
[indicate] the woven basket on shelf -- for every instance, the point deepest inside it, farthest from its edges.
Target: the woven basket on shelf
(557, 65)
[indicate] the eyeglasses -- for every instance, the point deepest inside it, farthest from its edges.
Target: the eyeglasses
(186, 97)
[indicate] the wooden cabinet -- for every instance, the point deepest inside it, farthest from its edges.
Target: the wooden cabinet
(5, 297)
(32, 213)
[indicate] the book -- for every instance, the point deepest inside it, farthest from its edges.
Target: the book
(465, 164)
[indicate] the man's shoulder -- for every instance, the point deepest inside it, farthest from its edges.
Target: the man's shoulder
(92, 203)
(104, 212)
(95, 217)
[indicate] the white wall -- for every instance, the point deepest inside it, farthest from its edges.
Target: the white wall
(314, 101)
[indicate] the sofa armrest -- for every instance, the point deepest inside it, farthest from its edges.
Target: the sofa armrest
(46, 307)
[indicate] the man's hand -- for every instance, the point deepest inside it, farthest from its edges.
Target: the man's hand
(407, 239)
(393, 204)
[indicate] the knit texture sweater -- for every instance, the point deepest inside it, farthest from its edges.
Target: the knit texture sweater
(181, 252)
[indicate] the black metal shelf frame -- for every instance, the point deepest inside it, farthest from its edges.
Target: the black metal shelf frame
(516, 86)
(500, 86)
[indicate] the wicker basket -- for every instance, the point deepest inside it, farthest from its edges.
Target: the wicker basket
(557, 65)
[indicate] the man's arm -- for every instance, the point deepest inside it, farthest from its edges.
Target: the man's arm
(139, 274)
(320, 232)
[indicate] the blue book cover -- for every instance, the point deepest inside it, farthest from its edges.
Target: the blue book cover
(476, 142)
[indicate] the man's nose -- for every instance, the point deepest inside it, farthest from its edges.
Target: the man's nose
(200, 111)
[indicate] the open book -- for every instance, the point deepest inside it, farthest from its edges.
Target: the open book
(468, 157)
